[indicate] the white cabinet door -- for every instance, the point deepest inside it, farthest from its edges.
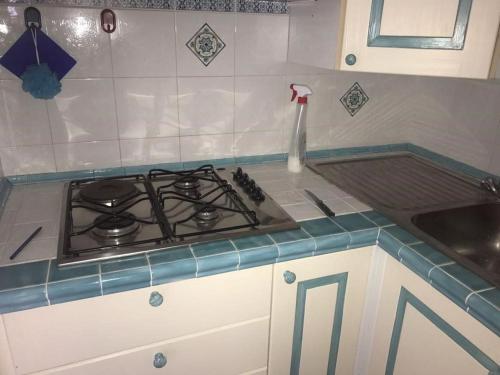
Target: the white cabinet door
(316, 312)
(420, 331)
(57, 335)
(424, 37)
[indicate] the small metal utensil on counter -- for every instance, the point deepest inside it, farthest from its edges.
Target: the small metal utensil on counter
(320, 204)
(25, 243)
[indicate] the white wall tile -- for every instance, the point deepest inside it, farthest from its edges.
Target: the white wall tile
(258, 143)
(143, 44)
(83, 111)
(205, 147)
(11, 26)
(79, 33)
(261, 43)
(23, 119)
(147, 107)
(188, 23)
(260, 103)
(87, 155)
(206, 105)
(150, 151)
(27, 159)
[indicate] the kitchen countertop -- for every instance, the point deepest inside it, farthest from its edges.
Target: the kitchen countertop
(33, 279)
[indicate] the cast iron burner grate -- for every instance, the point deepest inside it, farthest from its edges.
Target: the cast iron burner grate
(208, 206)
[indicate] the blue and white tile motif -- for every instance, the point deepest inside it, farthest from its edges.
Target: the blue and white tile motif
(263, 6)
(354, 99)
(206, 5)
(245, 6)
(206, 44)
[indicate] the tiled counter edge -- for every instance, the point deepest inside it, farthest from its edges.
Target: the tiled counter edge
(42, 283)
(5, 188)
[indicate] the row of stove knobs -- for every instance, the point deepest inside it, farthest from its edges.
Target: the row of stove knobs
(249, 185)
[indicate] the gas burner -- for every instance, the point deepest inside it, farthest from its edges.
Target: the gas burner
(112, 226)
(187, 183)
(109, 193)
(207, 214)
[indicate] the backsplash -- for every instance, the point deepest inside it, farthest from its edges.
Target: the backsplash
(177, 86)
(245, 6)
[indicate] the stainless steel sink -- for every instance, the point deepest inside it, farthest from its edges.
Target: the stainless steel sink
(448, 210)
(473, 232)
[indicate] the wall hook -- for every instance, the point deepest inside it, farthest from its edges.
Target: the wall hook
(108, 21)
(32, 17)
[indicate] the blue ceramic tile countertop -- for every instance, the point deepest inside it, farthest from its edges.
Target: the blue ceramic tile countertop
(41, 283)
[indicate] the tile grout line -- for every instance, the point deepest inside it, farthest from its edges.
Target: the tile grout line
(100, 278)
(195, 259)
(150, 270)
(47, 283)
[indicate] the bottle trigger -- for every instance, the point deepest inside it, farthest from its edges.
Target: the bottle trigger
(294, 93)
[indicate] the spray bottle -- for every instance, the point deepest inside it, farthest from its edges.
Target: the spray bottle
(297, 151)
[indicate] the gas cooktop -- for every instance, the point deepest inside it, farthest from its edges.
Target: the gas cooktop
(124, 215)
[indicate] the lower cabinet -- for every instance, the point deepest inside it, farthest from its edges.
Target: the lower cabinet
(317, 307)
(420, 331)
(227, 351)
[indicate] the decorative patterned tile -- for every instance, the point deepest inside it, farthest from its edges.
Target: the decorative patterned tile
(206, 5)
(263, 6)
(354, 99)
(141, 4)
(205, 44)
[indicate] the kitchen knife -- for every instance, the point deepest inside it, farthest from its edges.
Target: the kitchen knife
(320, 204)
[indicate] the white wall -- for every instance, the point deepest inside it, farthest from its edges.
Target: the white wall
(140, 96)
(458, 118)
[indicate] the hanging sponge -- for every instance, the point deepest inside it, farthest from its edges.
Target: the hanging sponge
(41, 82)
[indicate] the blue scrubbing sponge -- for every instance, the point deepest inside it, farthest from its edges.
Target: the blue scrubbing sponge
(41, 82)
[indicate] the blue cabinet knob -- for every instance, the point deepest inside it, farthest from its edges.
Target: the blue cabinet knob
(289, 277)
(155, 299)
(160, 360)
(350, 59)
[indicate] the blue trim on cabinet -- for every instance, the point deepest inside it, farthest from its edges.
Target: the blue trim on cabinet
(405, 298)
(300, 307)
(455, 42)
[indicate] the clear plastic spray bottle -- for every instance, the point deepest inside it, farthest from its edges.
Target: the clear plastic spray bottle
(296, 155)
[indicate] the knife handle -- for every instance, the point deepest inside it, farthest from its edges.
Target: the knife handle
(326, 210)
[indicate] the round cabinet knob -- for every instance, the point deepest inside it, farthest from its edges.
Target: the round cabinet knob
(160, 360)
(155, 299)
(350, 59)
(289, 277)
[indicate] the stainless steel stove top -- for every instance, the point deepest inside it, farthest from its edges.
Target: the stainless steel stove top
(119, 216)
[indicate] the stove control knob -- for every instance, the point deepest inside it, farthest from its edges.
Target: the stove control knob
(244, 180)
(258, 195)
(251, 186)
(238, 174)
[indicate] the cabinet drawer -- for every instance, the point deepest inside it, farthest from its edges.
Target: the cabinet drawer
(230, 351)
(56, 335)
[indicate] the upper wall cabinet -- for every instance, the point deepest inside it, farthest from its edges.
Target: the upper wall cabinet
(424, 37)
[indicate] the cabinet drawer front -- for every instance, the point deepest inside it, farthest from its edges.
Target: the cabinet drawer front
(231, 351)
(52, 336)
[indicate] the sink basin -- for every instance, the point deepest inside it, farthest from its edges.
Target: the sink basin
(472, 232)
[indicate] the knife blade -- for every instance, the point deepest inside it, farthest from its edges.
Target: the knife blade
(320, 204)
